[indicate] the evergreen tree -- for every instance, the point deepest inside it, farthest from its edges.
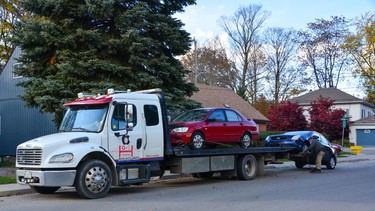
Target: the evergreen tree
(72, 46)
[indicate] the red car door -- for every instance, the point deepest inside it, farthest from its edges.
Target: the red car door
(216, 126)
(234, 128)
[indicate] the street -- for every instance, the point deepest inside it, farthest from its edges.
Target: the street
(350, 186)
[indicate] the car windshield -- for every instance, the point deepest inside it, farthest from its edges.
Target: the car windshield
(193, 115)
(84, 118)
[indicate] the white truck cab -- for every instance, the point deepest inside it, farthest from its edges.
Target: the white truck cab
(96, 136)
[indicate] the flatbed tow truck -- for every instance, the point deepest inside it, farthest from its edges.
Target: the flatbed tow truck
(122, 138)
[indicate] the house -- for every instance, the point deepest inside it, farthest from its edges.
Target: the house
(17, 122)
(362, 132)
(354, 107)
(360, 113)
(212, 96)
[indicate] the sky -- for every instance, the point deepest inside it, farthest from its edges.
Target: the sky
(201, 20)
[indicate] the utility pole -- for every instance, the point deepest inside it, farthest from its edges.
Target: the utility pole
(195, 61)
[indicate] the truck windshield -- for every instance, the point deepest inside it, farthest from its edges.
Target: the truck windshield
(87, 118)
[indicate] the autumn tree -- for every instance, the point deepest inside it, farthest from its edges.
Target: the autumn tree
(88, 46)
(210, 64)
(321, 51)
(262, 105)
(361, 46)
(284, 79)
(286, 116)
(10, 14)
(243, 29)
(325, 119)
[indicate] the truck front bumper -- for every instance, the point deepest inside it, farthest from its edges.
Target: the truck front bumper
(46, 178)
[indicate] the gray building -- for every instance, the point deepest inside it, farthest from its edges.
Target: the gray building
(17, 122)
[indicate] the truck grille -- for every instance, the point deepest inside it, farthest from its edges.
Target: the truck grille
(29, 156)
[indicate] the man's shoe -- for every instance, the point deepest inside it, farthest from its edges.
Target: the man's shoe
(315, 171)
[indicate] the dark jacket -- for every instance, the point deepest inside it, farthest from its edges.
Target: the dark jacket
(315, 146)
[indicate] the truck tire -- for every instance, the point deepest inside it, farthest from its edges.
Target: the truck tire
(245, 140)
(331, 163)
(247, 167)
(197, 140)
(93, 179)
(44, 190)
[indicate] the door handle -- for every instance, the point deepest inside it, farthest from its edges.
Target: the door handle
(224, 124)
(139, 143)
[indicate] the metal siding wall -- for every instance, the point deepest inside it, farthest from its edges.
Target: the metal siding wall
(18, 123)
(365, 139)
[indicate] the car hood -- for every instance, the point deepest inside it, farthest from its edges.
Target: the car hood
(282, 137)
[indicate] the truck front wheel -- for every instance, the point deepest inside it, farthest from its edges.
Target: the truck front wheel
(44, 190)
(93, 179)
(247, 167)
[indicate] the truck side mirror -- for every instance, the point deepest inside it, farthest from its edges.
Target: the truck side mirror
(130, 126)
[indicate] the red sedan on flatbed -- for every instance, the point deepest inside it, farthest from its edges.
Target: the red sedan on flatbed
(204, 126)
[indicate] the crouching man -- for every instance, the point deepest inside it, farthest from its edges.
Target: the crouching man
(318, 149)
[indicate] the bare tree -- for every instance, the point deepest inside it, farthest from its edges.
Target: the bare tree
(320, 50)
(243, 29)
(209, 64)
(283, 79)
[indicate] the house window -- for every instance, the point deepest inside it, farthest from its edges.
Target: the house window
(369, 113)
(16, 66)
(347, 112)
(363, 115)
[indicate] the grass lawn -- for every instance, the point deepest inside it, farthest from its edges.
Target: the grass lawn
(8, 178)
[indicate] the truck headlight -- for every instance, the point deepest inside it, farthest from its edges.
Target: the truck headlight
(180, 130)
(62, 158)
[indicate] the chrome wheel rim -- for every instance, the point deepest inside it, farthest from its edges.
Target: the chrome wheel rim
(96, 179)
(333, 163)
(246, 140)
(249, 170)
(198, 141)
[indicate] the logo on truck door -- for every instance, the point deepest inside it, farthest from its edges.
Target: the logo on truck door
(126, 152)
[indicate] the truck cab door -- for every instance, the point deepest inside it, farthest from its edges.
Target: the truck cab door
(125, 132)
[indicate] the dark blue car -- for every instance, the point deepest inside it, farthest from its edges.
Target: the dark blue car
(299, 141)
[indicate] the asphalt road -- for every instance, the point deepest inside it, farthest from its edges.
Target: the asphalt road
(350, 186)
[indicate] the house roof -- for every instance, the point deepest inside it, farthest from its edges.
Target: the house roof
(212, 96)
(337, 95)
(365, 121)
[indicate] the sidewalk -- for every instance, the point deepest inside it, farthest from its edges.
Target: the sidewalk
(16, 189)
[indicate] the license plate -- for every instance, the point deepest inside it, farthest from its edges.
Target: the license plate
(28, 174)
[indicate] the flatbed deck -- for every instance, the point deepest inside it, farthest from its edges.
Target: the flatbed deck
(186, 152)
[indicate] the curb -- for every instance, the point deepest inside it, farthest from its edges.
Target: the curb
(15, 192)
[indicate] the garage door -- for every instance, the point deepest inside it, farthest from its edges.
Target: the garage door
(366, 137)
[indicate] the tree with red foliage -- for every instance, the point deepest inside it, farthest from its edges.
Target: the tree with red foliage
(325, 119)
(287, 116)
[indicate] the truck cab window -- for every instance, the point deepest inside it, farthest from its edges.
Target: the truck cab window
(151, 115)
(118, 121)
